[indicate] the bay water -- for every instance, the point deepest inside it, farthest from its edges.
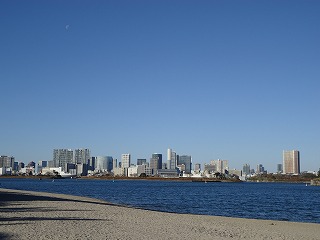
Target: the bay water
(274, 201)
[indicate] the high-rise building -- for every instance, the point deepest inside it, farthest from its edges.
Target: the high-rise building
(61, 157)
(156, 162)
(141, 161)
(185, 160)
(279, 168)
(171, 159)
(291, 162)
(6, 161)
(104, 163)
(125, 160)
(197, 167)
(260, 169)
(246, 169)
(81, 155)
(221, 165)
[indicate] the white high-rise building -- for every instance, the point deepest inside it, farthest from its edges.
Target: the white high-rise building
(221, 165)
(291, 162)
(61, 157)
(171, 159)
(125, 160)
(81, 155)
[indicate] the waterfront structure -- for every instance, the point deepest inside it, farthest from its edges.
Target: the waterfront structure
(221, 165)
(114, 163)
(279, 168)
(104, 163)
(209, 168)
(197, 167)
(81, 155)
(291, 162)
(246, 169)
(156, 162)
(61, 157)
(125, 162)
(185, 160)
(171, 159)
(7, 161)
(260, 169)
(141, 161)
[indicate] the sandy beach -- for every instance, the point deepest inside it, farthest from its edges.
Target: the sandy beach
(33, 215)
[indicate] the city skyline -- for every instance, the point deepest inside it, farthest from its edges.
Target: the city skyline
(290, 161)
(236, 80)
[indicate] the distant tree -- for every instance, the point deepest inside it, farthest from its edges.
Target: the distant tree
(143, 175)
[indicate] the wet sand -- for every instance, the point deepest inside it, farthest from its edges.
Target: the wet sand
(33, 215)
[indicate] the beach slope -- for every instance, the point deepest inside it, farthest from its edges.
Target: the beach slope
(34, 215)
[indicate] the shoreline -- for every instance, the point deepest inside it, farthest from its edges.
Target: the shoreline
(40, 215)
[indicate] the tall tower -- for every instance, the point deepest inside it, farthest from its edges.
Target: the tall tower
(171, 159)
(291, 162)
(82, 156)
(186, 161)
(61, 157)
(156, 162)
(125, 160)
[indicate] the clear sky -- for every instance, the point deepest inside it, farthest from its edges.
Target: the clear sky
(227, 79)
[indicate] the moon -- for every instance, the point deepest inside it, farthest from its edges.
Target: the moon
(67, 27)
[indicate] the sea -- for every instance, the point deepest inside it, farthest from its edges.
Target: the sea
(274, 201)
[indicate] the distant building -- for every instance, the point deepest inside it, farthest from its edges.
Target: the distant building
(291, 162)
(260, 169)
(6, 161)
(81, 155)
(221, 165)
(104, 163)
(279, 168)
(156, 162)
(141, 161)
(125, 162)
(246, 169)
(171, 159)
(185, 160)
(61, 157)
(197, 167)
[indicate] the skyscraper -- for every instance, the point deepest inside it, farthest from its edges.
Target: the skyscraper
(291, 162)
(125, 160)
(81, 156)
(221, 165)
(156, 162)
(61, 157)
(186, 161)
(246, 169)
(171, 159)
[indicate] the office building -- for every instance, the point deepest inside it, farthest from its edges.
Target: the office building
(279, 168)
(81, 155)
(104, 163)
(6, 161)
(171, 159)
(291, 162)
(222, 166)
(156, 162)
(246, 169)
(197, 167)
(61, 157)
(141, 161)
(125, 160)
(186, 161)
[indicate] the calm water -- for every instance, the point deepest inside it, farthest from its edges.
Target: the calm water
(277, 201)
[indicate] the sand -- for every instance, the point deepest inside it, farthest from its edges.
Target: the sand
(33, 215)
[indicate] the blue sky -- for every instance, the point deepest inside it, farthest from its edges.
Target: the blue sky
(235, 80)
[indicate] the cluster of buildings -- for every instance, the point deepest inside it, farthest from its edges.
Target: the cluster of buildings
(79, 162)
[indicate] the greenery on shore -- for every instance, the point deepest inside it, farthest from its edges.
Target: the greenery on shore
(304, 177)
